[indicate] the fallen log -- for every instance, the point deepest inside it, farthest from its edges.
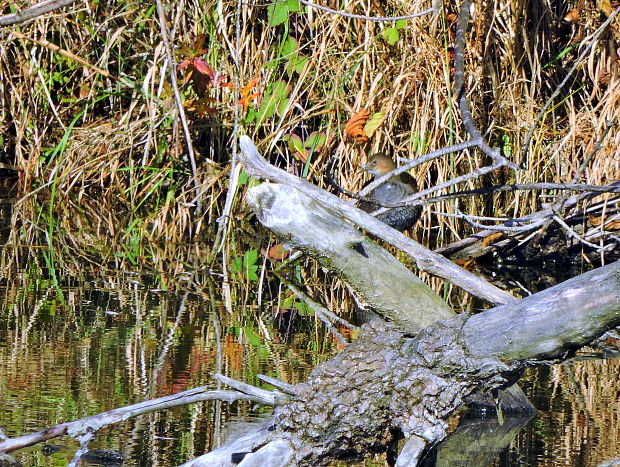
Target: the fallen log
(405, 378)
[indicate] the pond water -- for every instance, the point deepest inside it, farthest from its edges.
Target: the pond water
(71, 347)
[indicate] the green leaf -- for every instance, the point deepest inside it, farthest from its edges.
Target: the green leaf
(293, 6)
(303, 309)
(290, 46)
(252, 337)
(288, 302)
(282, 105)
(251, 116)
(280, 89)
(296, 64)
(506, 145)
(315, 140)
(267, 109)
(243, 178)
(401, 23)
(250, 257)
(274, 100)
(277, 13)
(373, 122)
(391, 35)
(294, 143)
(235, 266)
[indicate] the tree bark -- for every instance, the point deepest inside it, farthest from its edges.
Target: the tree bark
(405, 378)
(379, 280)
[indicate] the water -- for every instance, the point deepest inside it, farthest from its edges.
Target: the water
(102, 342)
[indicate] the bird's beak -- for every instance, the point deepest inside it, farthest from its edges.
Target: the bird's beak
(363, 168)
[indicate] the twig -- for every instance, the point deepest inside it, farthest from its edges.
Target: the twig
(502, 227)
(433, 9)
(33, 11)
(96, 422)
(593, 39)
(574, 234)
(459, 87)
(267, 397)
(163, 27)
(276, 383)
(580, 188)
(322, 313)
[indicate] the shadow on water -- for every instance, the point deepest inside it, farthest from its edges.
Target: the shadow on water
(102, 335)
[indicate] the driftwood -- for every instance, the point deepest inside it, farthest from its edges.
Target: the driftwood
(87, 425)
(426, 260)
(400, 380)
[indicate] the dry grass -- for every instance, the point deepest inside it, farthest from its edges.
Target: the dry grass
(112, 157)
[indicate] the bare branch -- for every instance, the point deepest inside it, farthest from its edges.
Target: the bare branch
(96, 422)
(433, 9)
(33, 12)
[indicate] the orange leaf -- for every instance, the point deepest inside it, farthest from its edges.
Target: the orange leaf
(245, 101)
(572, 16)
(277, 253)
(355, 126)
(490, 239)
(468, 264)
(248, 87)
(608, 225)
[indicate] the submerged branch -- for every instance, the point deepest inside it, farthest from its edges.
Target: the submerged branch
(96, 422)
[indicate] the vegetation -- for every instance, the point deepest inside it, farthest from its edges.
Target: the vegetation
(93, 139)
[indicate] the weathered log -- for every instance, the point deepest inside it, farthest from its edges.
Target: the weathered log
(373, 273)
(548, 323)
(425, 259)
(389, 383)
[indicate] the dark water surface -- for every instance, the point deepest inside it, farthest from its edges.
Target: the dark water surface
(85, 347)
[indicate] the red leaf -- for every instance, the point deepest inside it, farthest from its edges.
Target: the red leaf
(203, 67)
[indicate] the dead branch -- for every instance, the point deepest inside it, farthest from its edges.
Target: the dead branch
(33, 11)
(94, 423)
(426, 260)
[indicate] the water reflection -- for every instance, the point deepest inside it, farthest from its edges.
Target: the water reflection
(79, 342)
(69, 353)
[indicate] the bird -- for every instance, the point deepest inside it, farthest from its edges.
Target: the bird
(391, 191)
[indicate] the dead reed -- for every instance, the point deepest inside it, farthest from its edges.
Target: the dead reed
(90, 123)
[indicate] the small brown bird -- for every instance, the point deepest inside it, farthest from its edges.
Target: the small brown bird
(393, 190)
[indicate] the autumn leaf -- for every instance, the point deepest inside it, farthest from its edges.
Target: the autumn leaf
(277, 252)
(245, 101)
(374, 122)
(609, 225)
(355, 126)
(572, 16)
(468, 264)
(248, 87)
(491, 238)
(605, 7)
